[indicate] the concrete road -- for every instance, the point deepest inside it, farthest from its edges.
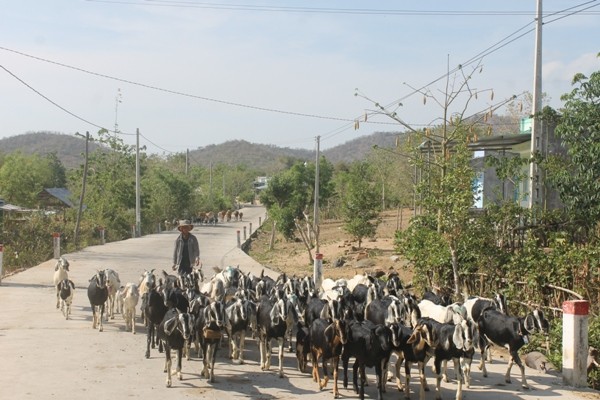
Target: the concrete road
(45, 356)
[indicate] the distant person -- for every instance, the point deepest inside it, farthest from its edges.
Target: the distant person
(187, 250)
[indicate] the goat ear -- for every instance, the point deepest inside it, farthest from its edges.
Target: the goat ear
(325, 312)
(329, 332)
(529, 323)
(457, 338)
(170, 326)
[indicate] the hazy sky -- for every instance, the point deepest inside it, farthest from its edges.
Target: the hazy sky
(194, 73)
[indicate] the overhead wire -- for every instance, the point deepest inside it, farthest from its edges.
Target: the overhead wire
(314, 10)
(179, 93)
(495, 47)
(499, 45)
(56, 104)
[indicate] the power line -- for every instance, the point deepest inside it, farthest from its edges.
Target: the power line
(58, 105)
(226, 102)
(497, 46)
(323, 10)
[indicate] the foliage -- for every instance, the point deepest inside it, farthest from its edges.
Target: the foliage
(428, 255)
(23, 177)
(28, 240)
(167, 196)
(110, 188)
(360, 203)
(576, 175)
(393, 174)
(290, 194)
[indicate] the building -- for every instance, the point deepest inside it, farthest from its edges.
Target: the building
(488, 187)
(495, 190)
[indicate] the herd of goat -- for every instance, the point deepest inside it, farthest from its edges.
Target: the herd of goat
(364, 319)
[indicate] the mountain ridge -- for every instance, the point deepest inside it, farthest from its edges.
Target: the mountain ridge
(262, 157)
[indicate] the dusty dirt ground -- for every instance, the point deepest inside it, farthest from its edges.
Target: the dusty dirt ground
(375, 255)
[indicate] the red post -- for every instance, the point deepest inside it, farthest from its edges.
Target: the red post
(575, 342)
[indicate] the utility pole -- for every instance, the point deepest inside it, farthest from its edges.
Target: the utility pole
(138, 216)
(210, 183)
(82, 196)
(187, 160)
(318, 260)
(117, 101)
(536, 182)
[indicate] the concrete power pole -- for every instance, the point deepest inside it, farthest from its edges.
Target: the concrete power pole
(318, 260)
(83, 184)
(138, 215)
(536, 187)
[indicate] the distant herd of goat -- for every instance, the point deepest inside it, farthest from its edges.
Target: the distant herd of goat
(366, 319)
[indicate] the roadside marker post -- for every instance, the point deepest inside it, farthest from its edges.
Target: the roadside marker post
(1, 252)
(56, 243)
(575, 342)
(318, 270)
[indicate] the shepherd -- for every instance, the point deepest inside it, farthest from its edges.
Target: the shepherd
(187, 250)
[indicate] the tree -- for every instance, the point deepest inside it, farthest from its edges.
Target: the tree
(23, 177)
(169, 196)
(394, 176)
(576, 175)
(360, 203)
(110, 191)
(440, 152)
(289, 198)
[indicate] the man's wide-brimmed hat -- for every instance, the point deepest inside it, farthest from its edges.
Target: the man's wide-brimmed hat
(185, 222)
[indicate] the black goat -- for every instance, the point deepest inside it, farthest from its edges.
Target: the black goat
(450, 342)
(411, 347)
(387, 311)
(513, 332)
(271, 324)
(97, 294)
(209, 327)
(154, 311)
(475, 306)
(302, 346)
(371, 346)
(174, 332)
(327, 338)
(238, 322)
(439, 299)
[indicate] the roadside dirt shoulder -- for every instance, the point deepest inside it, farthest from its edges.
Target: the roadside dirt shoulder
(342, 258)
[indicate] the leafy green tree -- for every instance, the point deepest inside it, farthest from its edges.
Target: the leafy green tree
(289, 199)
(23, 177)
(361, 203)
(110, 191)
(576, 175)
(167, 196)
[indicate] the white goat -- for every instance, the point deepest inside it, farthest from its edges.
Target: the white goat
(61, 272)
(131, 297)
(113, 283)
